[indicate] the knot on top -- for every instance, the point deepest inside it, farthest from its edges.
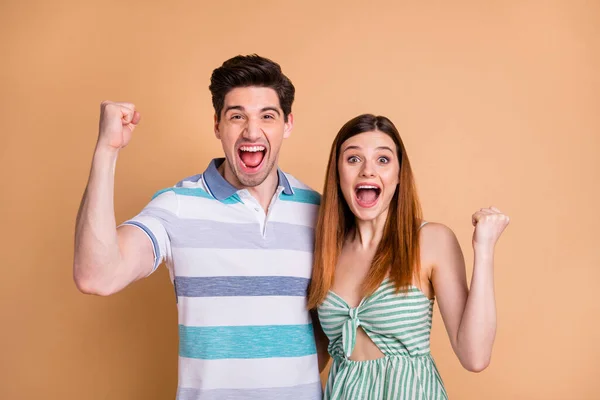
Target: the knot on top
(353, 313)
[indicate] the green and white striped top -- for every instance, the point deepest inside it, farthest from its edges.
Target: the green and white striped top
(400, 326)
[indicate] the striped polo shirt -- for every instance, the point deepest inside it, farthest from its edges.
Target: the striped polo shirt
(240, 277)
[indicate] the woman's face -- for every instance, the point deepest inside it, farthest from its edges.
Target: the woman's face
(369, 173)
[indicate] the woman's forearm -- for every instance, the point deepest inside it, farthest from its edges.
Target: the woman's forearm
(477, 329)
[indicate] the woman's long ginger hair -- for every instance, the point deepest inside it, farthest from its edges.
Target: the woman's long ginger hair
(397, 254)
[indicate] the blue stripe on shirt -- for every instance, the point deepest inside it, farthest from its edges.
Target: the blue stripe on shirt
(217, 286)
(268, 341)
(302, 196)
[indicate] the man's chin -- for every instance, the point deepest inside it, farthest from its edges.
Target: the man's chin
(251, 180)
(255, 179)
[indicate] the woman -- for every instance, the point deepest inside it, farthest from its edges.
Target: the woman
(378, 267)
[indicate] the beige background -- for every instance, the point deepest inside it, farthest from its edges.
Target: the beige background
(497, 101)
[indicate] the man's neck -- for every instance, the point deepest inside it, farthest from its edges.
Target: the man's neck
(263, 193)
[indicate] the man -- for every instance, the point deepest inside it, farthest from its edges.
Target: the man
(237, 240)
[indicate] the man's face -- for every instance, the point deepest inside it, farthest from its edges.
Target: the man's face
(251, 129)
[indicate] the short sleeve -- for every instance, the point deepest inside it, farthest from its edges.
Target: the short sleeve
(155, 221)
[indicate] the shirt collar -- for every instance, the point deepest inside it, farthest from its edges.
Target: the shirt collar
(221, 189)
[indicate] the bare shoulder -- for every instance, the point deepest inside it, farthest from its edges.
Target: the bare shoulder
(435, 232)
(437, 242)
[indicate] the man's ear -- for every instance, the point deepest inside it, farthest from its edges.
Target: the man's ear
(216, 127)
(289, 125)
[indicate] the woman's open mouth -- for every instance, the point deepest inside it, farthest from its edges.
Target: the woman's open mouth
(367, 195)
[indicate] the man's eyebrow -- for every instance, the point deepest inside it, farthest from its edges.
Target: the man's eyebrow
(229, 108)
(271, 108)
(241, 108)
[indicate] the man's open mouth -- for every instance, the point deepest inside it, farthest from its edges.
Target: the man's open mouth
(252, 156)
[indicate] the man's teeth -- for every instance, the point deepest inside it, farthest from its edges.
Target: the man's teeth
(252, 149)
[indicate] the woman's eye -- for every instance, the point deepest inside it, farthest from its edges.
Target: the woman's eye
(353, 159)
(384, 160)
